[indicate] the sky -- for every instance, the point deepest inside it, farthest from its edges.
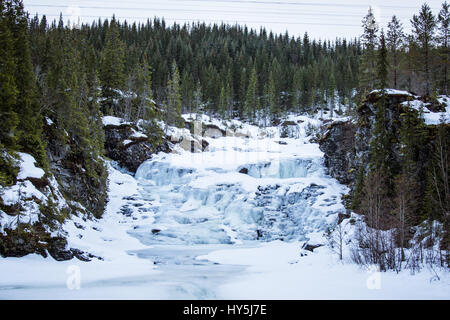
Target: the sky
(322, 19)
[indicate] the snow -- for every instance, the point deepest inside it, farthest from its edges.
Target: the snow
(191, 226)
(431, 118)
(394, 92)
(137, 134)
(126, 142)
(49, 121)
(319, 275)
(113, 121)
(28, 168)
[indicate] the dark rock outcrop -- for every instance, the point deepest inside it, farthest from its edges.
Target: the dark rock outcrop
(128, 149)
(338, 146)
(69, 168)
(311, 247)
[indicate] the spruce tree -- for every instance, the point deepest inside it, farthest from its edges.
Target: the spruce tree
(331, 93)
(270, 106)
(395, 39)
(173, 102)
(252, 99)
(382, 63)
(112, 69)
(443, 40)
(8, 88)
(27, 103)
(424, 26)
(367, 73)
(198, 103)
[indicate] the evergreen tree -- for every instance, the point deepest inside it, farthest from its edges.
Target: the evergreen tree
(27, 104)
(252, 99)
(222, 103)
(367, 72)
(112, 69)
(270, 107)
(382, 63)
(173, 102)
(8, 88)
(198, 104)
(443, 40)
(331, 93)
(424, 26)
(395, 38)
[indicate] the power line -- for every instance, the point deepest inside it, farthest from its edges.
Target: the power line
(206, 20)
(259, 2)
(207, 11)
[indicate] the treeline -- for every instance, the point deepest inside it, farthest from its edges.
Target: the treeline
(227, 70)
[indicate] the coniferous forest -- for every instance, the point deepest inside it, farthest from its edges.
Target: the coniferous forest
(73, 75)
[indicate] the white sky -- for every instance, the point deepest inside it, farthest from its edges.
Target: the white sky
(324, 19)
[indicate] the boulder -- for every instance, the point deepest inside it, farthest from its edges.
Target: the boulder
(213, 131)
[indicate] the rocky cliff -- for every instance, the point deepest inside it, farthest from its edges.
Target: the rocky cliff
(346, 143)
(129, 146)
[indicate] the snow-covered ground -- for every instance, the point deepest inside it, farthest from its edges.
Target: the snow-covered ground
(228, 223)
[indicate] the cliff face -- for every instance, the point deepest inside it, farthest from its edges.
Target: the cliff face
(34, 208)
(338, 146)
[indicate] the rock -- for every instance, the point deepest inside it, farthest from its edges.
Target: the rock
(346, 144)
(57, 249)
(311, 247)
(189, 143)
(81, 255)
(288, 123)
(213, 131)
(343, 216)
(337, 145)
(137, 150)
(205, 145)
(243, 170)
(75, 182)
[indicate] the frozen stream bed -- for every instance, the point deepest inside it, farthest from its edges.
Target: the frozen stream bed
(227, 223)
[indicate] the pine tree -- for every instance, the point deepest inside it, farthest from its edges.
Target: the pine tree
(368, 60)
(297, 85)
(222, 103)
(112, 69)
(8, 88)
(173, 102)
(27, 104)
(382, 63)
(198, 104)
(252, 99)
(424, 26)
(270, 106)
(395, 38)
(331, 93)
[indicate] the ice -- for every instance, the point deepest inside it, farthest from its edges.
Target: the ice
(292, 168)
(242, 189)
